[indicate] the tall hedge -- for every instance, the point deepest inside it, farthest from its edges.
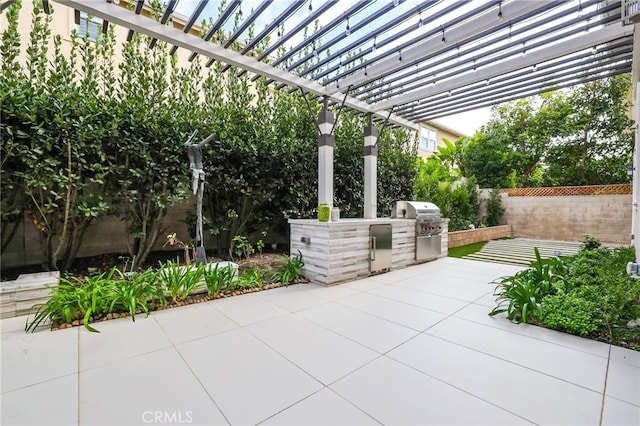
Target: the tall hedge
(81, 139)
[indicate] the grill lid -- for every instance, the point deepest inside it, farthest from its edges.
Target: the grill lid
(415, 210)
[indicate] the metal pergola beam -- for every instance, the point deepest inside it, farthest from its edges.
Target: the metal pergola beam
(141, 24)
(452, 36)
(595, 37)
(495, 48)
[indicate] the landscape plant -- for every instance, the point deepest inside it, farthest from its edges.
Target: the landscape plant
(179, 281)
(76, 298)
(589, 294)
(219, 278)
(135, 292)
(290, 270)
(521, 295)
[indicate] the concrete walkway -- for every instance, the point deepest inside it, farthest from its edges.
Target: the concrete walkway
(412, 346)
(520, 251)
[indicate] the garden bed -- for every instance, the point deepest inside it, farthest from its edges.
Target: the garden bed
(589, 295)
(87, 299)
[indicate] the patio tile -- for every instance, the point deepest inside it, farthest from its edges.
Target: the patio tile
(375, 333)
(442, 286)
(332, 293)
(369, 283)
(488, 300)
(247, 309)
(623, 382)
(324, 354)
(393, 393)
(626, 356)
(480, 271)
(9, 325)
(248, 380)
(618, 413)
(31, 358)
(534, 396)
(54, 402)
(192, 322)
(480, 315)
(400, 313)
(155, 388)
(120, 339)
(293, 298)
(444, 305)
(558, 361)
(324, 408)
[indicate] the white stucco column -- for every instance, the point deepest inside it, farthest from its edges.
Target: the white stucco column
(326, 143)
(370, 171)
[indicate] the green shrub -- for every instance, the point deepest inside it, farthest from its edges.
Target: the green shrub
(494, 208)
(250, 278)
(134, 293)
(179, 281)
(589, 243)
(520, 295)
(218, 279)
(291, 267)
(76, 298)
(571, 313)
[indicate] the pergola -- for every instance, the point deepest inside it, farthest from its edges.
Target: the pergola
(402, 61)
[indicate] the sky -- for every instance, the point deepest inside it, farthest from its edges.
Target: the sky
(467, 122)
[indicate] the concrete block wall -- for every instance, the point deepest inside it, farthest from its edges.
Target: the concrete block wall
(568, 218)
(470, 236)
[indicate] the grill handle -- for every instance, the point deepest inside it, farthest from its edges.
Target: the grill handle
(372, 248)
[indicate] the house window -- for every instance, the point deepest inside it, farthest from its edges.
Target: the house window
(88, 26)
(428, 139)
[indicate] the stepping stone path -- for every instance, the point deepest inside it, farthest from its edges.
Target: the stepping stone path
(519, 251)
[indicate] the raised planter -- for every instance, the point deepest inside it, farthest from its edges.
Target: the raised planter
(470, 236)
(18, 297)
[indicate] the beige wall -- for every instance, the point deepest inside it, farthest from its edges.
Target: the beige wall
(441, 133)
(63, 24)
(568, 218)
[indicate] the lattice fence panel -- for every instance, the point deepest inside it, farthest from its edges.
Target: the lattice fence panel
(569, 190)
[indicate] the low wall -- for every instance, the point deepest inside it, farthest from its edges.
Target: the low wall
(470, 236)
(569, 217)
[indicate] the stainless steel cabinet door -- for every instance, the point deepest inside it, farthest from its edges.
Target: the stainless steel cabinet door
(379, 247)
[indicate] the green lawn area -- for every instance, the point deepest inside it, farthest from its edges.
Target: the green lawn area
(465, 250)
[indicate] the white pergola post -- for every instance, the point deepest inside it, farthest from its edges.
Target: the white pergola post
(370, 171)
(326, 143)
(635, 214)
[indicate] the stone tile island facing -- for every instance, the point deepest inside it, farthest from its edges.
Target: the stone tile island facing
(340, 251)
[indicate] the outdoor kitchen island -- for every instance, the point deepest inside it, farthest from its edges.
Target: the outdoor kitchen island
(341, 250)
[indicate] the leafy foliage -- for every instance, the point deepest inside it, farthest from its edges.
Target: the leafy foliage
(521, 295)
(83, 138)
(290, 272)
(580, 136)
(494, 208)
(218, 279)
(590, 293)
(178, 280)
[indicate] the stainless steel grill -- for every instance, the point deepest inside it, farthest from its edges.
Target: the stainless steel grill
(428, 226)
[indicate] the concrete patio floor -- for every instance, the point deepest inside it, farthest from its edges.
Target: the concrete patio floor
(412, 346)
